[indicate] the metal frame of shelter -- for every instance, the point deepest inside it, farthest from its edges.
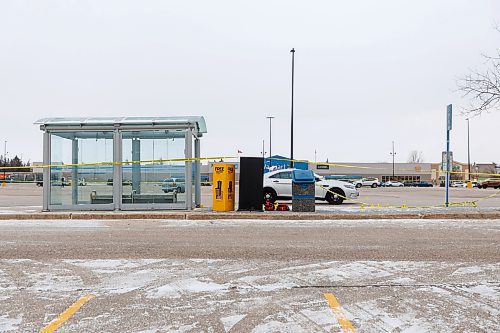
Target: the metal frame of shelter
(189, 128)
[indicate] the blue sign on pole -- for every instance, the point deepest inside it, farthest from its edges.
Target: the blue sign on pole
(449, 117)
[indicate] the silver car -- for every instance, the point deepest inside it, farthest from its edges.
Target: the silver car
(174, 184)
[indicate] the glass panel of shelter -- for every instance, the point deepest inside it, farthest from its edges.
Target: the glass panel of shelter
(153, 170)
(86, 168)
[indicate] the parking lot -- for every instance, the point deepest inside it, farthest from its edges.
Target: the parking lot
(253, 275)
(250, 276)
(28, 197)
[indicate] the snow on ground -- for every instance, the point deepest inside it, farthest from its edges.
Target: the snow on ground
(10, 324)
(45, 224)
(251, 295)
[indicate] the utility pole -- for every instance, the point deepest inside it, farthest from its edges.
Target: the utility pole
(291, 123)
(4, 158)
(393, 153)
(270, 140)
(263, 152)
(468, 148)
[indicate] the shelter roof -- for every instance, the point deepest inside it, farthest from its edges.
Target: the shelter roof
(130, 121)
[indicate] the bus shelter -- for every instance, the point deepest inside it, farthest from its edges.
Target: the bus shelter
(127, 163)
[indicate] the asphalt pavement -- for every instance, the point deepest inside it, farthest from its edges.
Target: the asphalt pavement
(250, 276)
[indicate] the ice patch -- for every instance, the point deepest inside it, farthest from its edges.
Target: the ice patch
(125, 283)
(45, 224)
(230, 321)
(485, 291)
(197, 286)
(163, 291)
(9, 324)
(468, 270)
(111, 265)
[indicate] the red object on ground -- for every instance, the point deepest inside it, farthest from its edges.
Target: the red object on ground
(282, 207)
(269, 206)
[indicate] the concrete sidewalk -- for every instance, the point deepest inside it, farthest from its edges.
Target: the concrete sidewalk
(456, 213)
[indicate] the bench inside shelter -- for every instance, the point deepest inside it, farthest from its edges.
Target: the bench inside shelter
(135, 198)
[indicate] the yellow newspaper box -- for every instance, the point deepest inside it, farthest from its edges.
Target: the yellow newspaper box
(223, 187)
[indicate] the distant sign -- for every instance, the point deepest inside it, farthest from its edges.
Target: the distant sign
(449, 115)
(445, 161)
(322, 167)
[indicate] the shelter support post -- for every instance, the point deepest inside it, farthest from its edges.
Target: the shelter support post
(197, 173)
(136, 166)
(189, 169)
(117, 170)
(74, 171)
(46, 171)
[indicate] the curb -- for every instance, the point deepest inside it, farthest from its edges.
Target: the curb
(247, 216)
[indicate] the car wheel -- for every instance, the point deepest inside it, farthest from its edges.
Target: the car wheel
(358, 185)
(335, 196)
(269, 195)
(485, 186)
(374, 185)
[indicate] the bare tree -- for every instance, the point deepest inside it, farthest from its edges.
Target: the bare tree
(416, 157)
(482, 87)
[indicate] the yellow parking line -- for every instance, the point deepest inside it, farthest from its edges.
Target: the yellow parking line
(63, 317)
(346, 325)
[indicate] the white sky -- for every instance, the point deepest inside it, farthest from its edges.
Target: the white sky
(367, 72)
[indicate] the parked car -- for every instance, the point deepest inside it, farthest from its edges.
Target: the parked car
(490, 182)
(474, 184)
(391, 183)
(174, 184)
(458, 184)
(371, 181)
(423, 184)
(278, 185)
(124, 182)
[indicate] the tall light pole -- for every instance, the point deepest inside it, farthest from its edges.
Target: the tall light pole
(393, 153)
(263, 152)
(4, 157)
(468, 147)
(291, 123)
(270, 140)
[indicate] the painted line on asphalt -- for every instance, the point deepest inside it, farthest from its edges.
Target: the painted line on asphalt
(63, 317)
(346, 325)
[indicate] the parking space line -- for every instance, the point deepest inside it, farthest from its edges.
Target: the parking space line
(346, 325)
(63, 317)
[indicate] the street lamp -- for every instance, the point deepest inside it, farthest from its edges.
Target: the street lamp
(270, 142)
(468, 148)
(393, 153)
(4, 157)
(291, 123)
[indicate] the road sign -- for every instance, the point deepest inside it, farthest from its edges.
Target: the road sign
(449, 115)
(444, 161)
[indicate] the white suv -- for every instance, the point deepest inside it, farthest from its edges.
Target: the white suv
(372, 182)
(278, 185)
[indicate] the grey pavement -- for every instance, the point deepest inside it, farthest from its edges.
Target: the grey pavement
(251, 276)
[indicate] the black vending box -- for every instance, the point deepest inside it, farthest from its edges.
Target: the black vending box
(251, 184)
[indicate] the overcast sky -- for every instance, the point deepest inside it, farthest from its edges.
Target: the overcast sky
(367, 72)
